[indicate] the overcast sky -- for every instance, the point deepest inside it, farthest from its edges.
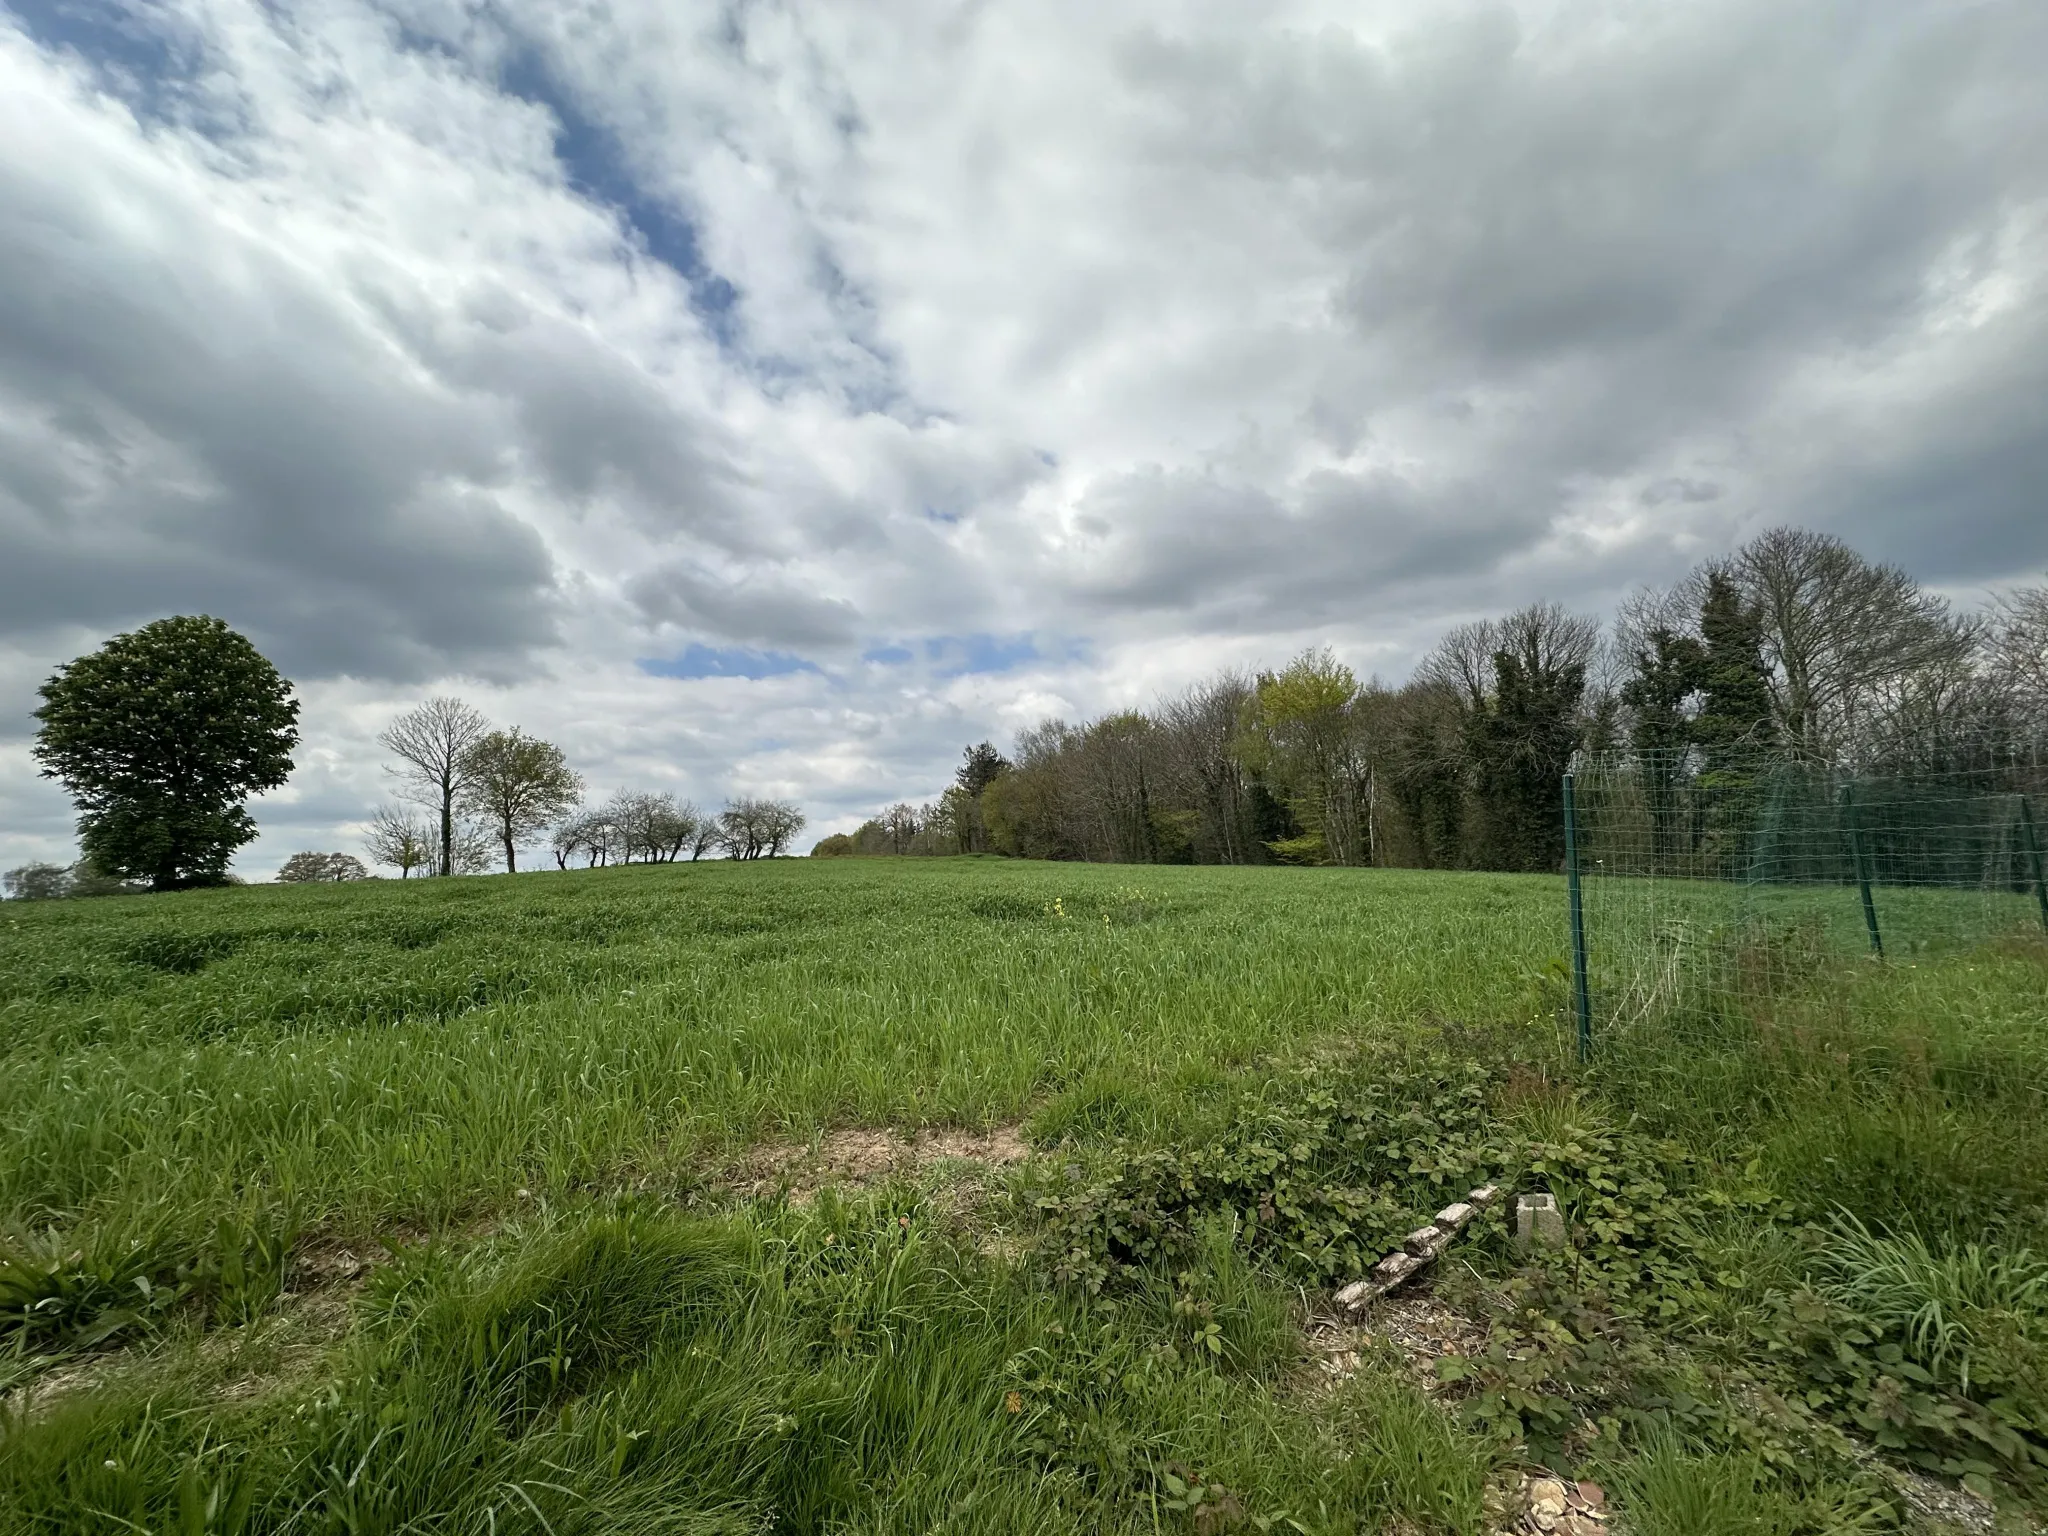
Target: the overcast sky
(774, 398)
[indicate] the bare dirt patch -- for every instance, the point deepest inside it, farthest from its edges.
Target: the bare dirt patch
(1421, 1330)
(1417, 1330)
(861, 1156)
(1944, 1507)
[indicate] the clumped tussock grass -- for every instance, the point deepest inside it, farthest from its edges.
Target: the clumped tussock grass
(1412, 1460)
(1948, 1306)
(1672, 1491)
(844, 1368)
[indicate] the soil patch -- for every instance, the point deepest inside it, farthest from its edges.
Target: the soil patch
(1421, 1329)
(860, 1156)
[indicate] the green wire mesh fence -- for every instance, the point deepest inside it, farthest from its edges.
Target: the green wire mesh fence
(1766, 893)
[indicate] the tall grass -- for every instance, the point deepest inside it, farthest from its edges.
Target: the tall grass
(1947, 1305)
(844, 1369)
(533, 1087)
(1672, 1491)
(393, 1056)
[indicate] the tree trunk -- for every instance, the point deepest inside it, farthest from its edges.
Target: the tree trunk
(447, 828)
(511, 867)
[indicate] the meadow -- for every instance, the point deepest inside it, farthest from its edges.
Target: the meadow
(467, 1205)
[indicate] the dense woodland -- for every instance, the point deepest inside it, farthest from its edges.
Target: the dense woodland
(1795, 647)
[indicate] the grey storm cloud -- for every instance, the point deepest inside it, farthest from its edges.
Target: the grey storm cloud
(1956, 492)
(1577, 246)
(763, 608)
(194, 424)
(1210, 550)
(594, 425)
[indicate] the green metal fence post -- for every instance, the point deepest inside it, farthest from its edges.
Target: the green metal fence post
(1862, 870)
(2034, 856)
(1582, 1000)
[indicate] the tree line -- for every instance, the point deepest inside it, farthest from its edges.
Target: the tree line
(471, 794)
(163, 734)
(1794, 647)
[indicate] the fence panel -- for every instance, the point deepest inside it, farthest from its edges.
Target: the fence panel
(1725, 903)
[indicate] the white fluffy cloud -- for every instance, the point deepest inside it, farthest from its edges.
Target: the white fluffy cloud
(776, 397)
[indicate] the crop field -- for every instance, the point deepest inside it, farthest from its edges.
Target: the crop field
(976, 1195)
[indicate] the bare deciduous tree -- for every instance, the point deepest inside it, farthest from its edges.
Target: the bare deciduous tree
(2019, 650)
(591, 834)
(432, 742)
(1462, 662)
(901, 824)
(672, 827)
(1199, 734)
(517, 784)
(1840, 633)
(749, 828)
(656, 827)
(473, 852)
(710, 834)
(781, 822)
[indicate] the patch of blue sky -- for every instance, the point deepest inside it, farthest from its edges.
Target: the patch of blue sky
(147, 56)
(969, 655)
(889, 655)
(697, 661)
(934, 514)
(596, 165)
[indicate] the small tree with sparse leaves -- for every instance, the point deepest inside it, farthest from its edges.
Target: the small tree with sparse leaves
(37, 882)
(519, 786)
(398, 839)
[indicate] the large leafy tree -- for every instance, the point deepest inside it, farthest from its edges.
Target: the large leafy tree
(1305, 735)
(1522, 735)
(1663, 699)
(160, 735)
(981, 766)
(1734, 721)
(320, 868)
(1735, 727)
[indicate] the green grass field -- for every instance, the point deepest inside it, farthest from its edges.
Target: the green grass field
(408, 1055)
(537, 1105)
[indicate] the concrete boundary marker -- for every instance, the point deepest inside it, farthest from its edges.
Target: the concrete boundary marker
(1418, 1250)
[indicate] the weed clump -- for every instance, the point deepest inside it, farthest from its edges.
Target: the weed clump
(1322, 1173)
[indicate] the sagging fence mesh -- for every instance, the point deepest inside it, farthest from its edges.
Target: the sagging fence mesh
(1763, 892)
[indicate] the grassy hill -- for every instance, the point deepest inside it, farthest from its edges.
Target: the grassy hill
(543, 1203)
